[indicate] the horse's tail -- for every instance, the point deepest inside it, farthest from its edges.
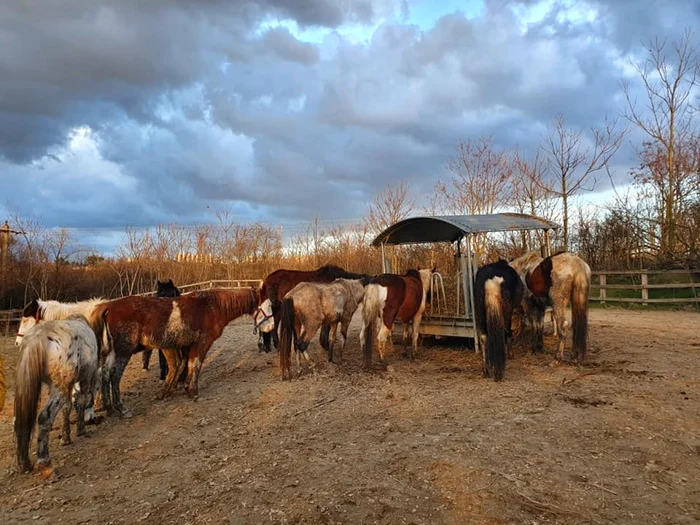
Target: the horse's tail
(30, 369)
(286, 335)
(370, 312)
(495, 328)
(579, 313)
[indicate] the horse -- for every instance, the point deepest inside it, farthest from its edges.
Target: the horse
(497, 291)
(557, 280)
(38, 311)
(392, 297)
(165, 289)
(309, 306)
(185, 325)
(277, 285)
(59, 354)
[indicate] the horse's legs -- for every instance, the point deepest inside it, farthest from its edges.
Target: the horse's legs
(331, 341)
(173, 358)
(163, 363)
(559, 303)
(119, 366)
(415, 333)
(384, 334)
(146, 358)
(482, 346)
(555, 329)
(46, 419)
(84, 401)
(67, 407)
(194, 367)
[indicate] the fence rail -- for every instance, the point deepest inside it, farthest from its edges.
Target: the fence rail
(642, 276)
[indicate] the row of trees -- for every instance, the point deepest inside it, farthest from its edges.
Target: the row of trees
(654, 219)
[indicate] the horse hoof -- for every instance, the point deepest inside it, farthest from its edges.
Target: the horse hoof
(555, 362)
(126, 414)
(65, 442)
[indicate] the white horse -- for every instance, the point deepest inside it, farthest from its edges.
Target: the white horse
(58, 354)
(559, 280)
(39, 310)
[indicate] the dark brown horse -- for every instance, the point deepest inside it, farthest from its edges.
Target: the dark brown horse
(391, 297)
(185, 325)
(278, 284)
(498, 289)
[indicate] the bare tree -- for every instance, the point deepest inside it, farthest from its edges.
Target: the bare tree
(391, 205)
(669, 77)
(531, 195)
(573, 159)
(479, 184)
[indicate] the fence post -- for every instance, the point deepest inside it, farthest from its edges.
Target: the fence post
(645, 289)
(602, 292)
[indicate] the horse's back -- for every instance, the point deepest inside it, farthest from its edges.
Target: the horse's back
(569, 265)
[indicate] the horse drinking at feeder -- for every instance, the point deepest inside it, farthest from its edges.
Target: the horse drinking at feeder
(277, 285)
(58, 354)
(389, 297)
(497, 290)
(310, 306)
(184, 326)
(165, 289)
(558, 280)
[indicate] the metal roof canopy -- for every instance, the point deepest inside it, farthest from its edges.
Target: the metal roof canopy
(451, 228)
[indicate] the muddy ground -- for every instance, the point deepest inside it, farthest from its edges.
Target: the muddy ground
(423, 442)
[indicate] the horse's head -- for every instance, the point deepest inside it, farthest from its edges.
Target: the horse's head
(31, 315)
(262, 317)
(167, 289)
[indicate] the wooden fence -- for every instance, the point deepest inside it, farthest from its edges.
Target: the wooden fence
(638, 284)
(10, 318)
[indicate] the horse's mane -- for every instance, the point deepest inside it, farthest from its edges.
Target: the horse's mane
(232, 303)
(54, 310)
(413, 273)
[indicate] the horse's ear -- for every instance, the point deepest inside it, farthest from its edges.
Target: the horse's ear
(434, 269)
(170, 282)
(32, 309)
(159, 283)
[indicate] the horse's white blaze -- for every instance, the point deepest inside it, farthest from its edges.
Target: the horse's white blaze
(24, 327)
(175, 324)
(265, 310)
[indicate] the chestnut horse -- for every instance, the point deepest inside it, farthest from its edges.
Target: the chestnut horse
(497, 291)
(277, 285)
(558, 279)
(392, 297)
(186, 325)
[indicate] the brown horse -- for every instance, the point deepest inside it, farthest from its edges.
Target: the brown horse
(278, 284)
(185, 325)
(558, 279)
(392, 297)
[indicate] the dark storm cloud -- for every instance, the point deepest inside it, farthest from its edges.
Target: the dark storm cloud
(198, 105)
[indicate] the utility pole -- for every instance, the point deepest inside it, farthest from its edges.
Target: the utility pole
(5, 233)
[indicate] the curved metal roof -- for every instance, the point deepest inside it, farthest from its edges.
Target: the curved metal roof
(450, 228)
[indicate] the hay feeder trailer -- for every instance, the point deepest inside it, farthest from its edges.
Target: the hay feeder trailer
(460, 230)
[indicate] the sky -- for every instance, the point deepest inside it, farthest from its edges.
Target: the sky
(128, 113)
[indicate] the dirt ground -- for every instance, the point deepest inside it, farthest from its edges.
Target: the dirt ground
(423, 442)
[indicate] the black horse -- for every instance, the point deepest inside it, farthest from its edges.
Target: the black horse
(498, 289)
(167, 289)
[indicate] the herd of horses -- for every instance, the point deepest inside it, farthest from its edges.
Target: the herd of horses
(80, 350)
